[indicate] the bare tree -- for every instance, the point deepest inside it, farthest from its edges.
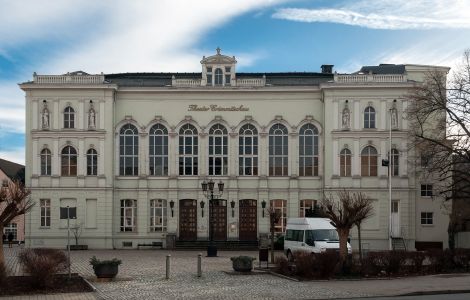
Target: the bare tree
(274, 217)
(15, 201)
(350, 209)
(77, 231)
(365, 210)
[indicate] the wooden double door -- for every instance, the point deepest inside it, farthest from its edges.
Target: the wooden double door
(188, 220)
(218, 219)
(248, 213)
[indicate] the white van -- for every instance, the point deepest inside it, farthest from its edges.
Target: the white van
(314, 235)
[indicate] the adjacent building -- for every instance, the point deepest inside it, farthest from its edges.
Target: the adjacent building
(129, 152)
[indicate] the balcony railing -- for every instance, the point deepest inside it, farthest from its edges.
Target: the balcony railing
(184, 82)
(358, 78)
(250, 82)
(68, 79)
(244, 82)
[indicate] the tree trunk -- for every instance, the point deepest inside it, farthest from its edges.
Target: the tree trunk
(272, 244)
(343, 243)
(2, 257)
(360, 242)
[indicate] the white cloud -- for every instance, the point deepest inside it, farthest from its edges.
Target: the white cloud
(15, 155)
(388, 14)
(12, 112)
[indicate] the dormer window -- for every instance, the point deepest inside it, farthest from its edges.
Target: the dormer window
(218, 70)
(219, 77)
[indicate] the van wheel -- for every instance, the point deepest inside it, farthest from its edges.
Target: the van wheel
(290, 257)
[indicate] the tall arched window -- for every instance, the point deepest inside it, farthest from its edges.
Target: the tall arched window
(218, 149)
(280, 206)
(308, 150)
(128, 150)
(158, 216)
(128, 215)
(218, 77)
(345, 163)
(395, 160)
(92, 162)
(158, 150)
(188, 150)
(369, 117)
(45, 162)
(278, 150)
(369, 161)
(69, 161)
(248, 150)
(69, 117)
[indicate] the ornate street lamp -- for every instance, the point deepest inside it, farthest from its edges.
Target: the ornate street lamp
(208, 190)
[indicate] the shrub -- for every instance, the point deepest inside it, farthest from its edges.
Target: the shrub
(462, 258)
(390, 262)
(96, 262)
(3, 274)
(326, 264)
(440, 260)
(283, 266)
(42, 264)
(304, 264)
(417, 258)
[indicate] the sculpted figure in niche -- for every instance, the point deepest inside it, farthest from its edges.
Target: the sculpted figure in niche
(346, 117)
(394, 116)
(45, 117)
(91, 117)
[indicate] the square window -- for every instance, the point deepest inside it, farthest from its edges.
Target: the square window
(426, 190)
(227, 69)
(426, 218)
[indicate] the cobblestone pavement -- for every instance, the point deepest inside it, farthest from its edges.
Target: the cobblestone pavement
(142, 276)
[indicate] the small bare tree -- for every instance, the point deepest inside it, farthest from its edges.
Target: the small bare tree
(77, 230)
(15, 201)
(350, 209)
(274, 217)
(365, 210)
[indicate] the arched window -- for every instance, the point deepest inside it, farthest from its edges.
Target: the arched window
(218, 77)
(278, 150)
(280, 206)
(218, 149)
(395, 160)
(128, 215)
(69, 161)
(92, 162)
(69, 117)
(307, 208)
(369, 117)
(45, 162)
(158, 215)
(248, 150)
(308, 150)
(369, 161)
(188, 150)
(345, 163)
(158, 150)
(128, 150)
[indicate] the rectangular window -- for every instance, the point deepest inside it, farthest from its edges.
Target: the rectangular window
(227, 79)
(426, 190)
(45, 208)
(209, 79)
(128, 215)
(426, 218)
(13, 229)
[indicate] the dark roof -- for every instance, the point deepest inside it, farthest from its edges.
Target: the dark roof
(12, 170)
(164, 79)
(383, 69)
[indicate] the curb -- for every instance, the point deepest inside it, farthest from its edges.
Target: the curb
(90, 284)
(439, 292)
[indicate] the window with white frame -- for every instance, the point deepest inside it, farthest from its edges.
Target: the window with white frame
(158, 150)
(218, 150)
(369, 161)
(188, 150)
(209, 75)
(278, 150)
(426, 218)
(369, 117)
(218, 77)
(248, 150)
(128, 215)
(46, 161)
(306, 207)
(158, 215)
(128, 150)
(426, 190)
(69, 117)
(394, 162)
(92, 162)
(345, 163)
(68, 161)
(280, 207)
(13, 229)
(308, 150)
(45, 211)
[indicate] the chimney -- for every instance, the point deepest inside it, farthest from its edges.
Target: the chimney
(327, 69)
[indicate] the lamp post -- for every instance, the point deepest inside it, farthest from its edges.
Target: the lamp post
(208, 190)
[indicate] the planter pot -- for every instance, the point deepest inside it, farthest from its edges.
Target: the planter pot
(106, 270)
(242, 263)
(78, 247)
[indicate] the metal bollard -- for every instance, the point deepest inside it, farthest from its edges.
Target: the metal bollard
(168, 266)
(199, 268)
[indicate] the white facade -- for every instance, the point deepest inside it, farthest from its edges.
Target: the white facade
(327, 109)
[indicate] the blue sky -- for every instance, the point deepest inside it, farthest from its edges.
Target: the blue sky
(57, 36)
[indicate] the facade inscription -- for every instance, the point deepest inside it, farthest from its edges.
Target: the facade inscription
(215, 107)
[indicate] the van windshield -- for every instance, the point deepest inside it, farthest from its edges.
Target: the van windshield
(323, 235)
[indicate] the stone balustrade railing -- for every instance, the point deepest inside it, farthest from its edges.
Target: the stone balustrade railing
(68, 79)
(184, 82)
(357, 78)
(244, 82)
(251, 81)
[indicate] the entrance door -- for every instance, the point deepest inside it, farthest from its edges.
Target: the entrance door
(395, 218)
(247, 220)
(188, 220)
(218, 220)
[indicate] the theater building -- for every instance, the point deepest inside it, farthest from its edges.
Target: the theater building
(128, 153)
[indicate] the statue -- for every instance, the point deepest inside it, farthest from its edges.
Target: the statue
(91, 117)
(394, 118)
(45, 116)
(346, 117)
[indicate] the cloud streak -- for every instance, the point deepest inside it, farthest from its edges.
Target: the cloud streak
(392, 15)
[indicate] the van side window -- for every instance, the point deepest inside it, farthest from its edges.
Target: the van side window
(299, 235)
(294, 235)
(289, 235)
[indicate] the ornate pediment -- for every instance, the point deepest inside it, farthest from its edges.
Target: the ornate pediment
(218, 59)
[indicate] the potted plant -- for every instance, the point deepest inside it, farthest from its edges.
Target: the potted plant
(105, 268)
(242, 263)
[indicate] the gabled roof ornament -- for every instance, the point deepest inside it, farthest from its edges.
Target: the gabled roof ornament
(218, 50)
